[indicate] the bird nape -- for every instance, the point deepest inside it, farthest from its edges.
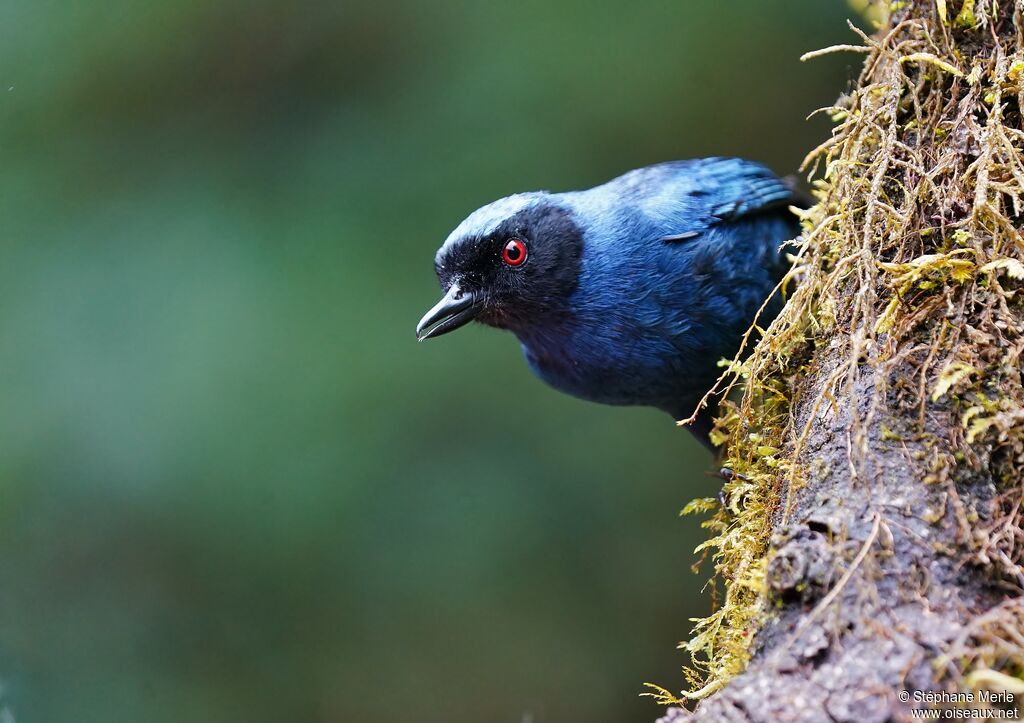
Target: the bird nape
(629, 292)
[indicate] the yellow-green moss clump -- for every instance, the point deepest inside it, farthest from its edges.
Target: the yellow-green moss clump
(912, 253)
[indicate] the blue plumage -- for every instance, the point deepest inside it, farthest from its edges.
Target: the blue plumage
(629, 292)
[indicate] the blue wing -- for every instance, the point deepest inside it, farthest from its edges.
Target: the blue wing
(685, 199)
(656, 317)
(695, 248)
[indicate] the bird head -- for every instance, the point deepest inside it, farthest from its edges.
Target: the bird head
(510, 264)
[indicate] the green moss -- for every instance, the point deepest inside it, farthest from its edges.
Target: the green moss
(874, 188)
(966, 17)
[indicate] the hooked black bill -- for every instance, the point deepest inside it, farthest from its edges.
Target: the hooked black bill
(456, 308)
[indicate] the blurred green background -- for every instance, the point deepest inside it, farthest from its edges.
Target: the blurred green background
(232, 486)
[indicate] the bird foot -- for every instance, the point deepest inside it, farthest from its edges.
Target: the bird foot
(726, 474)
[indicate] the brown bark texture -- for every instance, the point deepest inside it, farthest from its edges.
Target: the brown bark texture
(880, 438)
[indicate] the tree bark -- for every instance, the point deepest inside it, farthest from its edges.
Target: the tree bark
(880, 440)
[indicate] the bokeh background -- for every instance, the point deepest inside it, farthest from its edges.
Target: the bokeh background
(232, 486)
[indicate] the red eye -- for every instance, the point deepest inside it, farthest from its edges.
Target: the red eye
(514, 253)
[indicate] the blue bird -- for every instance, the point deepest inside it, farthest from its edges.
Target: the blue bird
(629, 292)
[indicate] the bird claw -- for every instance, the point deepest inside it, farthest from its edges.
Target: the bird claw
(727, 474)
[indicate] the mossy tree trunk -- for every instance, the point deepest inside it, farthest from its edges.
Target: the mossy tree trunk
(871, 546)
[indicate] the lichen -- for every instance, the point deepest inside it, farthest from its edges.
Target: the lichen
(912, 255)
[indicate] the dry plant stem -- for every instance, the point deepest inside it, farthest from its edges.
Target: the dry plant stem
(871, 539)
